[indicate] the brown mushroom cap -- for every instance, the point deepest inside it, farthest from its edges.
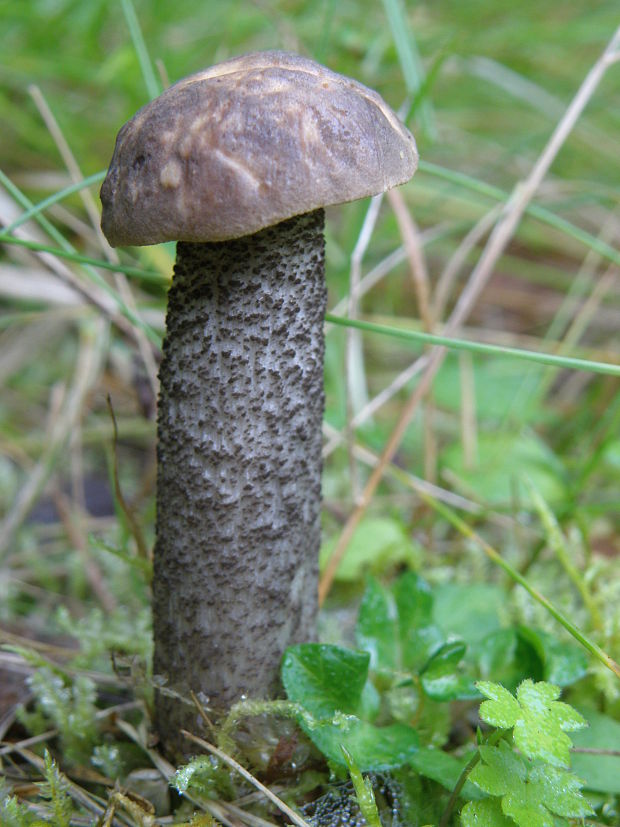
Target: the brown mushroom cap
(247, 144)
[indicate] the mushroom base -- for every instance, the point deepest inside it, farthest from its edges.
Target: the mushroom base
(239, 467)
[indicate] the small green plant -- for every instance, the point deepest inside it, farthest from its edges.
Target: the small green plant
(525, 775)
(363, 792)
(14, 814)
(387, 709)
(68, 704)
(55, 789)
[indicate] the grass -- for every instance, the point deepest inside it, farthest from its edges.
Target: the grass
(491, 463)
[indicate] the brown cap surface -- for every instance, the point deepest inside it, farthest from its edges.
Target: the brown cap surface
(246, 144)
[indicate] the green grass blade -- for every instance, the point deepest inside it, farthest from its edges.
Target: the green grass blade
(533, 210)
(478, 347)
(468, 532)
(409, 59)
(149, 276)
(150, 80)
(91, 273)
(53, 199)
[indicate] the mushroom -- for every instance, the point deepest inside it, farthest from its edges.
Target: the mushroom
(236, 164)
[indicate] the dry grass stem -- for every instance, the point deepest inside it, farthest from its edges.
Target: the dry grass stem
(386, 265)
(145, 349)
(449, 274)
(418, 269)
(501, 234)
(88, 366)
(355, 375)
(284, 808)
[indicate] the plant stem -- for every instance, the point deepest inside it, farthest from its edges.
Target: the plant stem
(491, 741)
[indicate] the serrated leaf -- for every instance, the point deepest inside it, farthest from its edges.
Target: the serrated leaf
(502, 710)
(497, 771)
(485, 813)
(325, 679)
(539, 720)
(561, 791)
(541, 729)
(524, 804)
(530, 793)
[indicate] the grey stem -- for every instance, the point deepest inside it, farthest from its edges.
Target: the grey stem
(239, 466)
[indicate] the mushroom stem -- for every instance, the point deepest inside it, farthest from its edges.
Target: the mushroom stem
(239, 466)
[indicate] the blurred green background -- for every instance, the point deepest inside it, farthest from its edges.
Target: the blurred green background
(528, 456)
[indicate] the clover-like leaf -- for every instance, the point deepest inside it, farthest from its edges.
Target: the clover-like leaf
(502, 710)
(561, 791)
(539, 720)
(485, 813)
(498, 769)
(541, 729)
(532, 793)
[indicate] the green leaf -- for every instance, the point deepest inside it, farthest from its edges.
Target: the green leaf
(530, 793)
(419, 636)
(501, 710)
(511, 655)
(504, 460)
(508, 658)
(443, 680)
(395, 626)
(497, 383)
(377, 627)
(563, 662)
(378, 544)
(468, 611)
(599, 772)
(524, 804)
(328, 682)
(325, 679)
(485, 813)
(540, 721)
(373, 749)
(560, 791)
(443, 768)
(540, 731)
(499, 769)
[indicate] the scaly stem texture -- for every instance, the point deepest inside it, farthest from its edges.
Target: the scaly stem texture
(239, 467)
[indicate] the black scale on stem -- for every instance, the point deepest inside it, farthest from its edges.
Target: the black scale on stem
(239, 463)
